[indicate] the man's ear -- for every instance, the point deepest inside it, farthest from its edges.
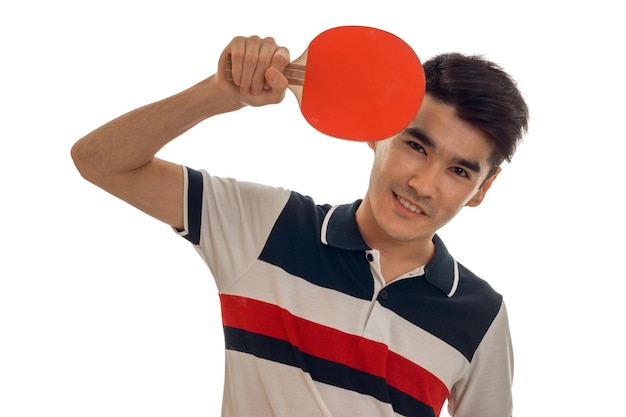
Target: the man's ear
(480, 194)
(372, 145)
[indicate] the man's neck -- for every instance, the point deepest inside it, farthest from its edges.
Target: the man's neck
(397, 257)
(402, 257)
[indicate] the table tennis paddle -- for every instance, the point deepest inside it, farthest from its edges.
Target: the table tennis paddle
(357, 83)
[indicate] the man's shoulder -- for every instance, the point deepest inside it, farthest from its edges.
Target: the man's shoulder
(472, 284)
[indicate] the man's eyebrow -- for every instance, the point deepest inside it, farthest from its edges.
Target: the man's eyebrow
(418, 133)
(470, 164)
(426, 140)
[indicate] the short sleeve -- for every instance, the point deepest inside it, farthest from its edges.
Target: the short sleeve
(228, 221)
(486, 388)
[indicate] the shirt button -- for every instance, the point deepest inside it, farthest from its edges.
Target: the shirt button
(370, 257)
(384, 294)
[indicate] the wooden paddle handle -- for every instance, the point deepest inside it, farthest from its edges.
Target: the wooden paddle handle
(293, 72)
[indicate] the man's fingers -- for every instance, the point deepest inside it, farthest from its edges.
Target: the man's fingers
(256, 66)
(234, 53)
(280, 58)
(250, 65)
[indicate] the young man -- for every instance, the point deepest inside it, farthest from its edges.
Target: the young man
(347, 310)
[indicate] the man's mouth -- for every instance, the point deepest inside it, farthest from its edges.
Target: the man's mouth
(408, 205)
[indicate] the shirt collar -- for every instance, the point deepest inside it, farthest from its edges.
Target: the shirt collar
(340, 230)
(442, 271)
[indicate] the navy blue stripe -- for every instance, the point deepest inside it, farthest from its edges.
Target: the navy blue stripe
(324, 371)
(194, 205)
(295, 245)
(460, 321)
(408, 406)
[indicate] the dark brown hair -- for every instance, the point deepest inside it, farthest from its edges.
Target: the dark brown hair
(483, 95)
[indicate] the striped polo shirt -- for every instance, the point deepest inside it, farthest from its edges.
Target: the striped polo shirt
(311, 329)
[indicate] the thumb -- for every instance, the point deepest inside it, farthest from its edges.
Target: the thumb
(275, 79)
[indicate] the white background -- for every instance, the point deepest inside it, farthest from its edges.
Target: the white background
(104, 311)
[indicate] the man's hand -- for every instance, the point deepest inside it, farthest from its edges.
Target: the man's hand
(257, 70)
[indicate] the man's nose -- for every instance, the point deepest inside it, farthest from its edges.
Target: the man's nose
(425, 181)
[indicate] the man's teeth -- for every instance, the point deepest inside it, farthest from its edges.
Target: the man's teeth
(409, 206)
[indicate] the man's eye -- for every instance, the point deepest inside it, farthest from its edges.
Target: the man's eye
(460, 172)
(416, 146)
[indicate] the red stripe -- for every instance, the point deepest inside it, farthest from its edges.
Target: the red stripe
(333, 345)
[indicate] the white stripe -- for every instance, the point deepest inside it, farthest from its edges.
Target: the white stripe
(416, 344)
(366, 318)
(259, 387)
(455, 284)
(325, 225)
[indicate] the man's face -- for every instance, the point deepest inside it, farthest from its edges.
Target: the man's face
(422, 177)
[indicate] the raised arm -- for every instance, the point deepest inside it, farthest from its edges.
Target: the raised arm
(120, 157)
